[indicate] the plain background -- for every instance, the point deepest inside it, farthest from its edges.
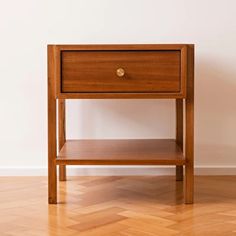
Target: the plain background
(28, 26)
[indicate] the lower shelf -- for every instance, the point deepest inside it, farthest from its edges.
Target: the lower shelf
(121, 152)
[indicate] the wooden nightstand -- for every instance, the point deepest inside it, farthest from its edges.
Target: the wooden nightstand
(121, 71)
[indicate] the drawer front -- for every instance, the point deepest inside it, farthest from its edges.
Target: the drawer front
(120, 71)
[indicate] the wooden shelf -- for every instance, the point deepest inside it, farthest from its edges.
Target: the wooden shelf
(121, 152)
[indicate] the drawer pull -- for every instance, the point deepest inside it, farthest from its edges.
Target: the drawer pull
(120, 72)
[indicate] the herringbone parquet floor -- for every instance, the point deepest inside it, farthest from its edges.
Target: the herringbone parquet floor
(118, 206)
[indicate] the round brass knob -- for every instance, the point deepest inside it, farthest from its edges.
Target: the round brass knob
(120, 72)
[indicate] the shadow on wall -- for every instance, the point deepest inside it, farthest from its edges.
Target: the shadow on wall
(215, 113)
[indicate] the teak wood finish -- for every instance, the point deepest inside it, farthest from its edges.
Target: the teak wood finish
(95, 71)
(121, 152)
(179, 134)
(148, 71)
(62, 134)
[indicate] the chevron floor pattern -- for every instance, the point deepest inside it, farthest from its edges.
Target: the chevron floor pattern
(118, 206)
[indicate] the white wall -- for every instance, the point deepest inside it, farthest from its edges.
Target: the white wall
(28, 26)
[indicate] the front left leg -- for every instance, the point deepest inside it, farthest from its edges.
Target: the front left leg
(52, 145)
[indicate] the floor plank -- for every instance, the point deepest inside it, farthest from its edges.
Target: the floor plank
(134, 205)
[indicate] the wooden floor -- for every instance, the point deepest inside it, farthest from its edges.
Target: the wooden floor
(115, 206)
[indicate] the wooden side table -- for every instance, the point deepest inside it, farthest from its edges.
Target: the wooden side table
(121, 72)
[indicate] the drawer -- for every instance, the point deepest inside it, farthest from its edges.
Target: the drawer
(121, 71)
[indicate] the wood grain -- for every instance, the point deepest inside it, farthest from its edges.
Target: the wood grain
(145, 71)
(179, 134)
(52, 143)
(120, 95)
(62, 134)
(121, 152)
(116, 49)
(118, 206)
(189, 129)
(151, 71)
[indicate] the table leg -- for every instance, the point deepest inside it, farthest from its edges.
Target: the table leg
(52, 170)
(62, 134)
(189, 136)
(179, 134)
